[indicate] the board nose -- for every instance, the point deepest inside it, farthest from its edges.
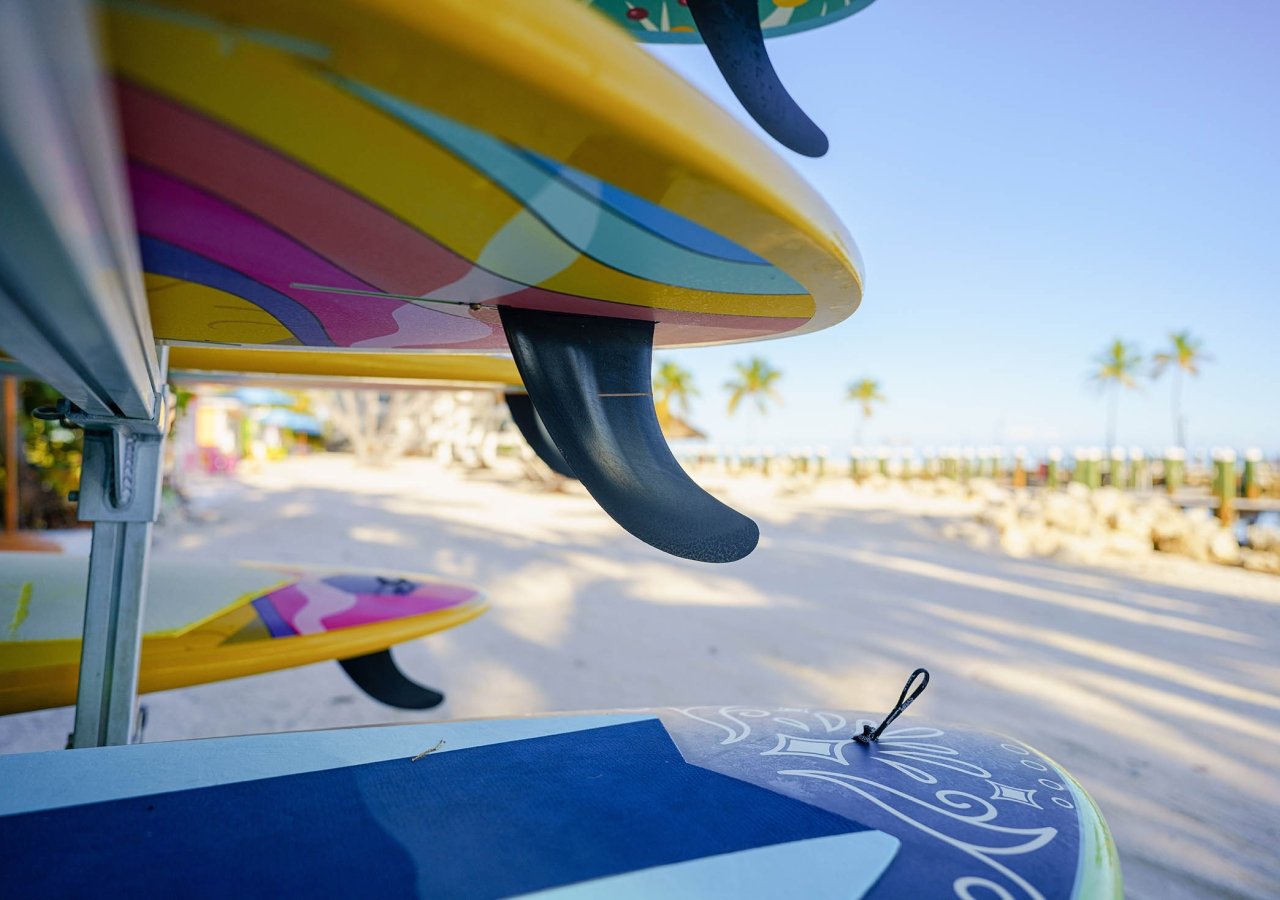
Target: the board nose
(589, 378)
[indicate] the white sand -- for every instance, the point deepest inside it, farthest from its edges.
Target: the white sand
(1159, 689)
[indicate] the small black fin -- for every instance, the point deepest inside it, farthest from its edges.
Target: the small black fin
(535, 434)
(731, 31)
(378, 676)
(589, 378)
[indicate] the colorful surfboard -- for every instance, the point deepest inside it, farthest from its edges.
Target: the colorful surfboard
(391, 177)
(696, 802)
(209, 622)
(328, 178)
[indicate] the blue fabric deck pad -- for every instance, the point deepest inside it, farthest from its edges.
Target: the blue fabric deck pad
(497, 820)
(977, 814)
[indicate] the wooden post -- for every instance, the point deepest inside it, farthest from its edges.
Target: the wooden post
(1020, 467)
(995, 463)
(1117, 467)
(1139, 476)
(1252, 461)
(1174, 471)
(1052, 473)
(1088, 469)
(1224, 483)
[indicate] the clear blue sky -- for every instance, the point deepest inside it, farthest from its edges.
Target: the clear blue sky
(1027, 181)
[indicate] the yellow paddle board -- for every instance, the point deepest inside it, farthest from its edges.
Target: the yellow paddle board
(363, 178)
(212, 621)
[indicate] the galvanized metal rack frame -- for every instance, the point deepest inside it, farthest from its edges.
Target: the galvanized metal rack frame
(73, 311)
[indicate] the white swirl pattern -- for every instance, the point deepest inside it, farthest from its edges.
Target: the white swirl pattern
(912, 751)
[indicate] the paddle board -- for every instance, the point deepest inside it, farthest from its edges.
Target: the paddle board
(208, 622)
(702, 801)
(389, 177)
(381, 176)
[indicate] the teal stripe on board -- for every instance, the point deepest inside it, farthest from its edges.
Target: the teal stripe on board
(579, 218)
(843, 866)
(652, 217)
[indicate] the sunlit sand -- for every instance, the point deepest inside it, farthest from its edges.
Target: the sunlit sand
(1158, 688)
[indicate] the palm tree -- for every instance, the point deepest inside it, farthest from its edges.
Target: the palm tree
(1185, 355)
(1117, 366)
(755, 381)
(671, 385)
(864, 391)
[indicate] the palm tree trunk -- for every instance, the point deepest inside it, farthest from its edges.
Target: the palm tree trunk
(1112, 406)
(1179, 427)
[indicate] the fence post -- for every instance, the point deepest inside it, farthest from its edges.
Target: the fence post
(1174, 468)
(1252, 484)
(1224, 483)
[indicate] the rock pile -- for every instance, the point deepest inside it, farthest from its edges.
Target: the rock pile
(1263, 553)
(1087, 525)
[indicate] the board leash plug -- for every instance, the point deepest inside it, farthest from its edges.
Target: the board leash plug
(869, 734)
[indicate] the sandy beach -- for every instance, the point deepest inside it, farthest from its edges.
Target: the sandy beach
(1157, 684)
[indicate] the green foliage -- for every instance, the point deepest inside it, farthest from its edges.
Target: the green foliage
(1117, 365)
(673, 384)
(865, 391)
(755, 381)
(1185, 353)
(49, 467)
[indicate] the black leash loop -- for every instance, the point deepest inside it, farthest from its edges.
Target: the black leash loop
(868, 735)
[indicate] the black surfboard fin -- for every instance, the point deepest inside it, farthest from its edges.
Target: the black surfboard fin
(589, 378)
(535, 434)
(731, 31)
(378, 676)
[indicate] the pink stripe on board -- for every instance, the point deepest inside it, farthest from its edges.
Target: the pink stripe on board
(385, 607)
(312, 607)
(337, 224)
(167, 209)
(349, 233)
(306, 604)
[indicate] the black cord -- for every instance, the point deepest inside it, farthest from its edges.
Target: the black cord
(868, 734)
